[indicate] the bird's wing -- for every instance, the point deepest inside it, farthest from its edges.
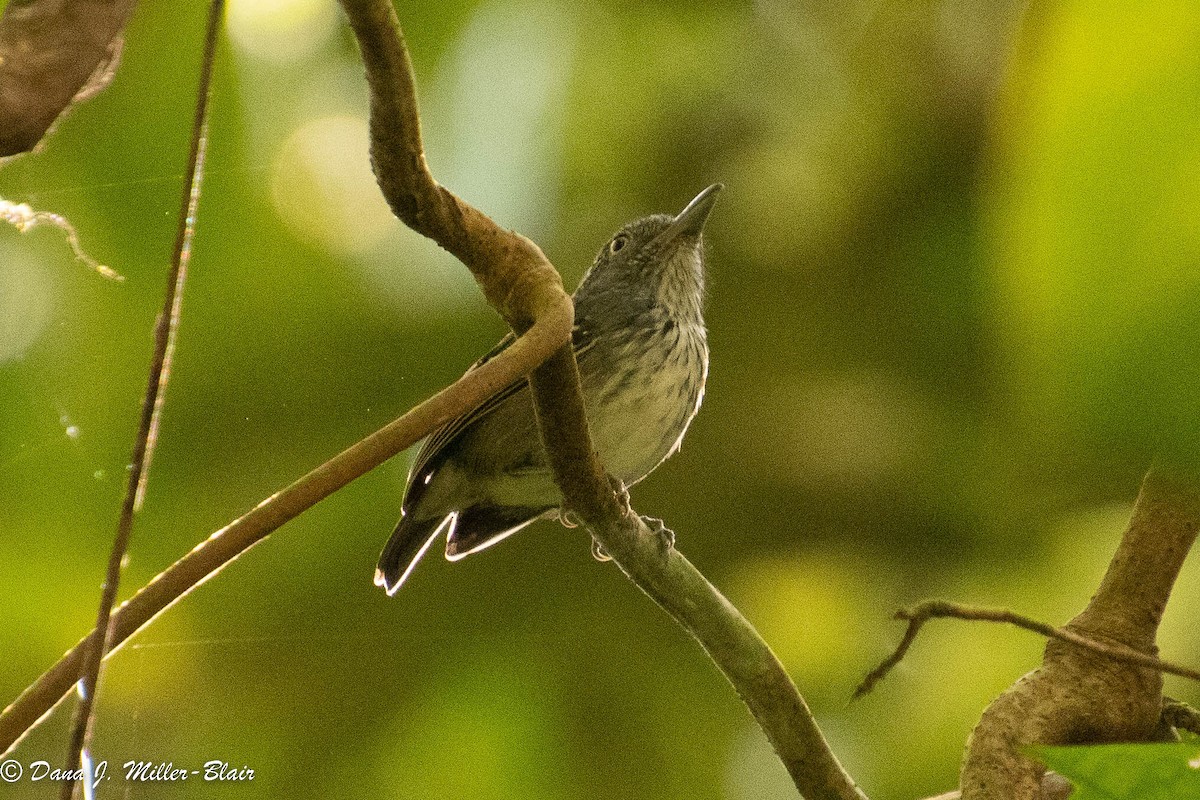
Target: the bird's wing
(443, 436)
(436, 441)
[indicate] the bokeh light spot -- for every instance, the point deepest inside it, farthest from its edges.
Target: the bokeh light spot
(280, 31)
(323, 189)
(25, 302)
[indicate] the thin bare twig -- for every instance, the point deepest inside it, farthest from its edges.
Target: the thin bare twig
(160, 368)
(918, 615)
(22, 217)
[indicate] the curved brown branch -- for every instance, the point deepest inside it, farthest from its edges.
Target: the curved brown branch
(678, 588)
(918, 615)
(516, 277)
(1077, 695)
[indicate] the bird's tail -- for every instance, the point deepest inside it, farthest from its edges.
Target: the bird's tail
(480, 526)
(471, 530)
(408, 542)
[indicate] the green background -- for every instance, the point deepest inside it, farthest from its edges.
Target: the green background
(953, 314)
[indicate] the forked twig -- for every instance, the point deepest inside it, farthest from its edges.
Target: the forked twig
(918, 615)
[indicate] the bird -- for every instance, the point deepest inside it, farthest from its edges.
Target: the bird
(641, 345)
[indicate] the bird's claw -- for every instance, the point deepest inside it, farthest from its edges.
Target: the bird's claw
(570, 519)
(666, 536)
(598, 552)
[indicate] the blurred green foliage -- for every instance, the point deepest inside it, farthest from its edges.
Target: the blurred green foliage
(953, 315)
(1128, 771)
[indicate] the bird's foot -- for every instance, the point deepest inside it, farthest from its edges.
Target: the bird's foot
(568, 518)
(618, 486)
(666, 536)
(598, 551)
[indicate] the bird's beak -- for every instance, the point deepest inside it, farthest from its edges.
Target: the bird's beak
(690, 221)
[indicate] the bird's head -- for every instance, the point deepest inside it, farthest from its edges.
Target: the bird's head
(653, 261)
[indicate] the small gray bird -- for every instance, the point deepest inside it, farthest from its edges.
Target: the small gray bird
(643, 358)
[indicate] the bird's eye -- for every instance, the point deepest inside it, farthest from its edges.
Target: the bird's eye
(617, 243)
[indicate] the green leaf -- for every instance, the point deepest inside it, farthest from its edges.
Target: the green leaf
(1128, 771)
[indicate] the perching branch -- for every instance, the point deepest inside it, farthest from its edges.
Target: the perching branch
(679, 589)
(918, 615)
